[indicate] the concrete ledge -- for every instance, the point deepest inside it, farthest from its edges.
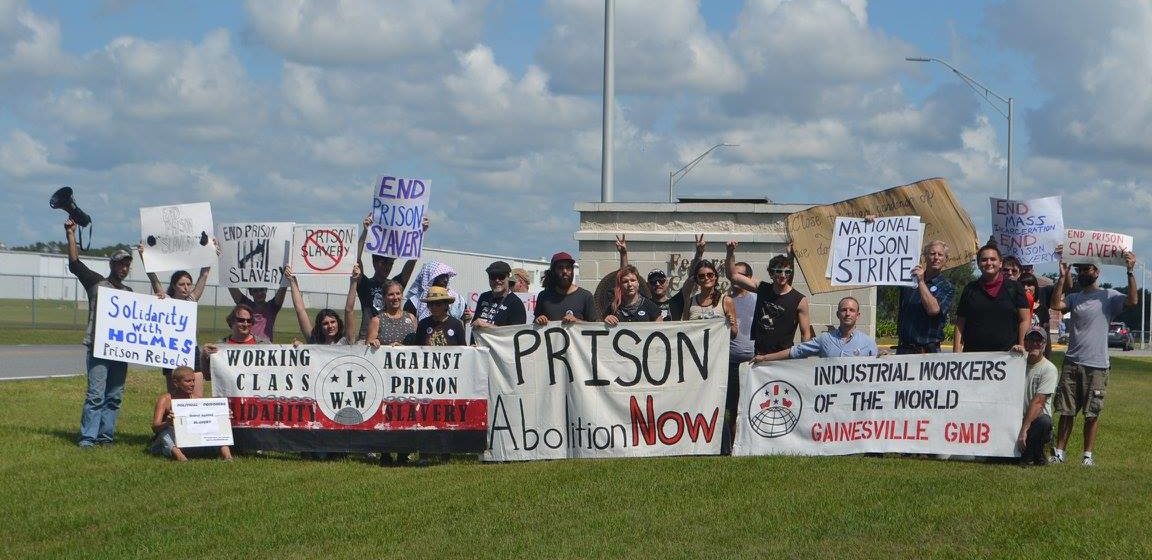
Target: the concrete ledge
(677, 237)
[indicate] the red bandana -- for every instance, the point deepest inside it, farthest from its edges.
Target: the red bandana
(993, 288)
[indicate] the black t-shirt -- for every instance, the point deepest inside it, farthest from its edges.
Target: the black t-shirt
(508, 309)
(450, 332)
(644, 310)
(991, 324)
(555, 305)
(672, 308)
(776, 318)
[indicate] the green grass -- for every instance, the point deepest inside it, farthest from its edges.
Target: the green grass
(118, 502)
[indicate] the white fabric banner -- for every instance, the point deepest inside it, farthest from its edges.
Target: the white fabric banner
(144, 329)
(1030, 230)
(962, 404)
(880, 252)
(324, 248)
(177, 237)
(588, 391)
(253, 255)
(201, 422)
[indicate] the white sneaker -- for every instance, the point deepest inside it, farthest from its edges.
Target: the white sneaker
(1056, 459)
(1089, 462)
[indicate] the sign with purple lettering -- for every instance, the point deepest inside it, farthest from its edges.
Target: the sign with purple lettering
(1029, 230)
(144, 329)
(399, 205)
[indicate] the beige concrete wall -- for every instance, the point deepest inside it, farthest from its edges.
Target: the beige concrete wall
(662, 236)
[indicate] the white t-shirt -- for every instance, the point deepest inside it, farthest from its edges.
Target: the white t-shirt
(1040, 380)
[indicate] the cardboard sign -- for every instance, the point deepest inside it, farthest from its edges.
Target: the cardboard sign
(881, 252)
(253, 255)
(201, 422)
(1030, 230)
(177, 237)
(1097, 247)
(943, 218)
(324, 248)
(398, 209)
(143, 329)
(588, 391)
(965, 404)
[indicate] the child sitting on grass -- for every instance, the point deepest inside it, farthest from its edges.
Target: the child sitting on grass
(164, 436)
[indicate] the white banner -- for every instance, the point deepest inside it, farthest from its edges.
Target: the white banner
(1030, 230)
(253, 255)
(144, 329)
(588, 391)
(324, 248)
(962, 404)
(340, 387)
(399, 205)
(201, 422)
(881, 252)
(1098, 247)
(177, 237)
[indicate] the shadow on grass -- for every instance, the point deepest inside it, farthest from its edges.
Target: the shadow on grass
(126, 439)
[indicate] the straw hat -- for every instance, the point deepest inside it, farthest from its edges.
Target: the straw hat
(438, 294)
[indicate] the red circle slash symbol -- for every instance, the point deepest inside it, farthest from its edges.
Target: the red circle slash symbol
(319, 260)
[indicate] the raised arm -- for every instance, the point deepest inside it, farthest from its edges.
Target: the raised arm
(749, 283)
(350, 304)
(157, 287)
(70, 235)
(1057, 303)
(202, 281)
(689, 285)
(622, 248)
(1133, 295)
(366, 223)
(298, 304)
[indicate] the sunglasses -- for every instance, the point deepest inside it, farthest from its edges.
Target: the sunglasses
(706, 275)
(780, 270)
(242, 320)
(657, 281)
(493, 278)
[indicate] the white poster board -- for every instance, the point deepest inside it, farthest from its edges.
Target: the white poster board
(143, 329)
(324, 248)
(177, 237)
(964, 404)
(588, 391)
(1096, 247)
(879, 252)
(399, 205)
(253, 254)
(201, 422)
(1029, 230)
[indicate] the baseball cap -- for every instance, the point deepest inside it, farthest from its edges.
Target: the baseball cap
(657, 273)
(499, 268)
(562, 256)
(1036, 331)
(120, 255)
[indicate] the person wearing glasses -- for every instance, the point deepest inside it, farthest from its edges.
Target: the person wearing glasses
(240, 320)
(780, 308)
(498, 307)
(923, 312)
(671, 306)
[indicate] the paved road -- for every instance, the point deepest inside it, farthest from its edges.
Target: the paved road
(24, 361)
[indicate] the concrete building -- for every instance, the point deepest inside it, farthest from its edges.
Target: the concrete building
(662, 236)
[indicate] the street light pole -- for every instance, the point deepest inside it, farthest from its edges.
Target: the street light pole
(988, 96)
(675, 176)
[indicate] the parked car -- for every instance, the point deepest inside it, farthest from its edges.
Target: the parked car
(1119, 335)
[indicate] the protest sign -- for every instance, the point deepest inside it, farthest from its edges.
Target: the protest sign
(324, 248)
(944, 219)
(253, 255)
(354, 398)
(881, 252)
(965, 404)
(177, 237)
(144, 329)
(588, 391)
(1097, 247)
(398, 208)
(201, 422)
(1029, 230)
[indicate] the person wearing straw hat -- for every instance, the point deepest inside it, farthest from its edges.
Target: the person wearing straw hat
(439, 328)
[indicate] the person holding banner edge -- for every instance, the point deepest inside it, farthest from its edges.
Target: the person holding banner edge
(923, 311)
(1084, 373)
(993, 314)
(105, 381)
(844, 342)
(561, 299)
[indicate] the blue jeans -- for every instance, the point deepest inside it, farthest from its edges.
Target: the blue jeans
(102, 401)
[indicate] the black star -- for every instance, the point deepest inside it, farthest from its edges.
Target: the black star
(335, 378)
(361, 378)
(348, 402)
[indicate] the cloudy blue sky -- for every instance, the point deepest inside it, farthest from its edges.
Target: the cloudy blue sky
(289, 109)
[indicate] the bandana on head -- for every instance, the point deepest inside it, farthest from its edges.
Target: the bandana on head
(419, 288)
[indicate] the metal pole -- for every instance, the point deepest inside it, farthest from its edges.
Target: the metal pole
(33, 279)
(1008, 171)
(606, 194)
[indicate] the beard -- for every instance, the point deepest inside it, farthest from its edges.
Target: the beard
(1084, 280)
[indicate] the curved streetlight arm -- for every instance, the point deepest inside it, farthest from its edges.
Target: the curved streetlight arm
(675, 176)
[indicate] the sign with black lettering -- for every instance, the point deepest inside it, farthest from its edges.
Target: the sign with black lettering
(589, 391)
(879, 252)
(416, 398)
(962, 404)
(1097, 247)
(177, 237)
(253, 255)
(324, 248)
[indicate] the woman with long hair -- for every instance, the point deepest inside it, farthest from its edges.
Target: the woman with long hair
(710, 302)
(180, 286)
(329, 327)
(393, 326)
(628, 304)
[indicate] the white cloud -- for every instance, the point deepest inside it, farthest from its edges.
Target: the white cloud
(22, 157)
(30, 45)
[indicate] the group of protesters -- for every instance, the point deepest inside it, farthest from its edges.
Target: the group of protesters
(1005, 309)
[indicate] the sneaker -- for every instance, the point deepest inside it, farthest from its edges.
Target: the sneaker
(1055, 459)
(1089, 462)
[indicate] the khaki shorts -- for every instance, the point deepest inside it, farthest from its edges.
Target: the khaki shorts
(1081, 388)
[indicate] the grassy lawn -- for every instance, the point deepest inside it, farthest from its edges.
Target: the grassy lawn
(118, 502)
